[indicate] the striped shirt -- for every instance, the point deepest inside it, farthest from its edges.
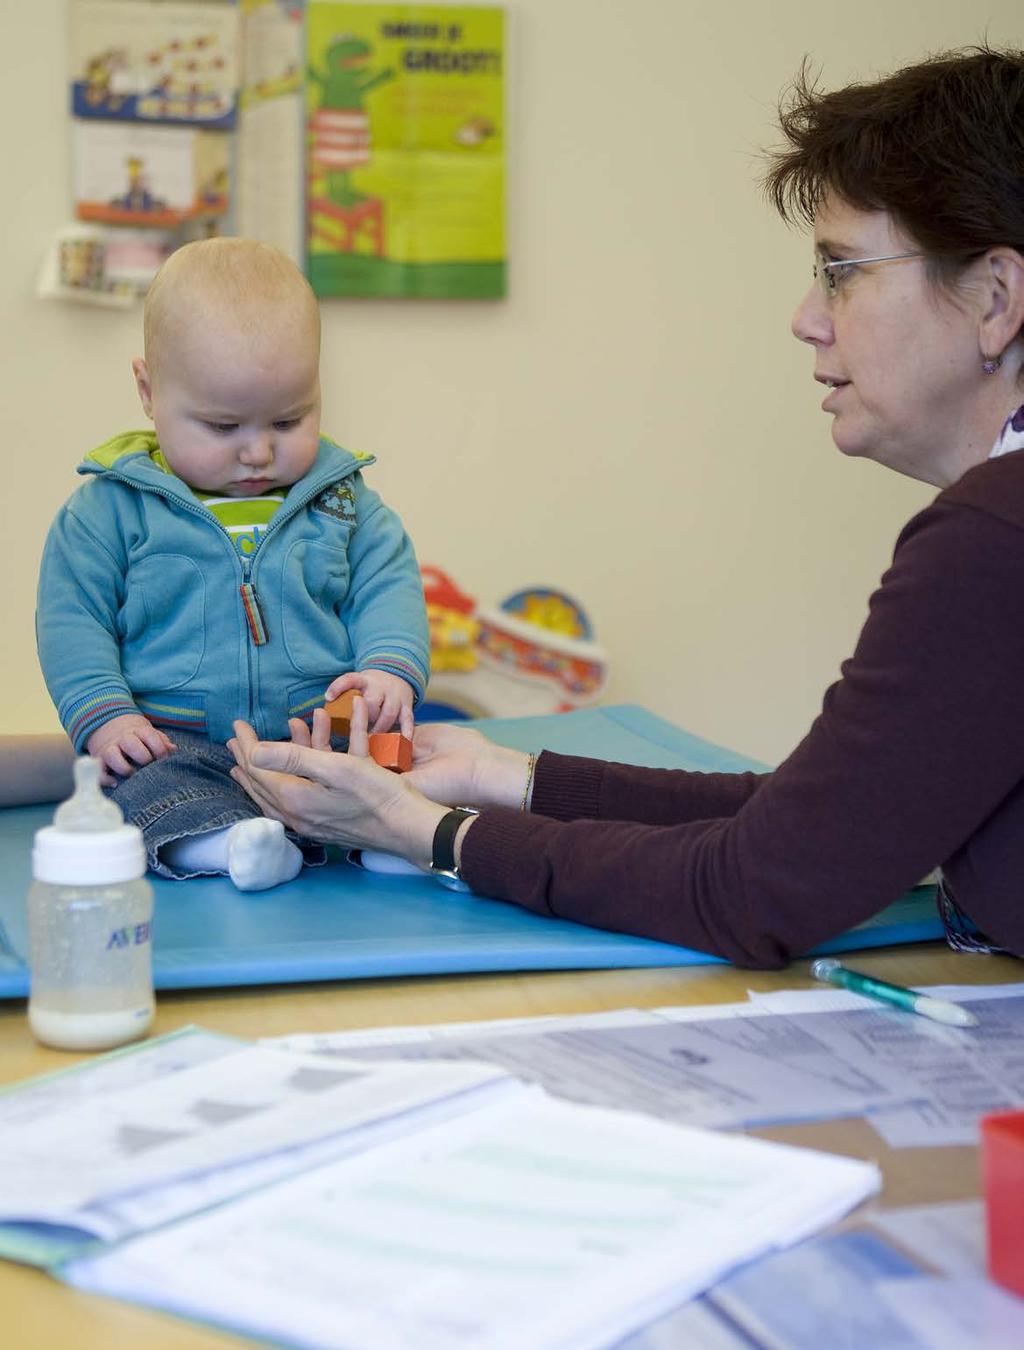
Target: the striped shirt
(244, 518)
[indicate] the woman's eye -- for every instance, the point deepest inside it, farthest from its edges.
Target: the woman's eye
(835, 275)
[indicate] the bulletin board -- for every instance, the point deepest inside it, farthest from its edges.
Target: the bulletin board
(366, 141)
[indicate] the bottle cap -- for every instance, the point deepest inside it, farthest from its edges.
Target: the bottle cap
(88, 843)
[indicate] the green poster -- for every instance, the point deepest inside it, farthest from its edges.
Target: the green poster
(405, 171)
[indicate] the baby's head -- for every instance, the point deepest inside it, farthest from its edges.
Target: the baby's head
(231, 371)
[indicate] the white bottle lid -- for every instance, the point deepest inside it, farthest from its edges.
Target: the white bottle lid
(88, 844)
(66, 858)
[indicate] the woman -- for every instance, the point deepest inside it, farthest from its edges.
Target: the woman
(914, 186)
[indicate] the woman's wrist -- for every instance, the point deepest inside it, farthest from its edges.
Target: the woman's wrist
(416, 831)
(506, 779)
(521, 775)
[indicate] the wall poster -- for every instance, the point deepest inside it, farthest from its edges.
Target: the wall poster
(405, 175)
(270, 131)
(133, 60)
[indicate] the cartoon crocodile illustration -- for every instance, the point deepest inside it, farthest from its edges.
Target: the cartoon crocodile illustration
(343, 90)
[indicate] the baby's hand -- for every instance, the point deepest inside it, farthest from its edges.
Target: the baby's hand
(389, 698)
(125, 744)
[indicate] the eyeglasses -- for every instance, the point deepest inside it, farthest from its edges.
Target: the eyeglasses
(829, 274)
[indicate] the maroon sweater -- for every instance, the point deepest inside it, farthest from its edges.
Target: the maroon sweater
(916, 759)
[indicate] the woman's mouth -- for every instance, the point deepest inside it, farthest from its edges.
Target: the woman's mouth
(833, 384)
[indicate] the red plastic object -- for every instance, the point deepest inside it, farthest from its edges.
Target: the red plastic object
(439, 589)
(1002, 1156)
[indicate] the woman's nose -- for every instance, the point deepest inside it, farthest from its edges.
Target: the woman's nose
(811, 320)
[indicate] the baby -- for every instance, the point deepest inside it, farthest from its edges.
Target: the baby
(230, 565)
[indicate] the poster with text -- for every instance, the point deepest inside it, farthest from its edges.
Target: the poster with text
(405, 175)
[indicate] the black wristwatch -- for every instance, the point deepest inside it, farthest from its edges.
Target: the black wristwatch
(442, 860)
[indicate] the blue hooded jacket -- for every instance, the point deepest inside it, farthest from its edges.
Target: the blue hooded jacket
(146, 605)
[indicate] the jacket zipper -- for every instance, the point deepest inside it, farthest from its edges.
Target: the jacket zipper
(251, 611)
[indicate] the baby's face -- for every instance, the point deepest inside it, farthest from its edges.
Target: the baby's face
(237, 415)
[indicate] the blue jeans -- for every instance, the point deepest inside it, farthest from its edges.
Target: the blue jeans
(188, 792)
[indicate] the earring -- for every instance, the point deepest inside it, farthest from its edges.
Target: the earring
(991, 364)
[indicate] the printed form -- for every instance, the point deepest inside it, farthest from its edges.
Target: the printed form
(767, 1062)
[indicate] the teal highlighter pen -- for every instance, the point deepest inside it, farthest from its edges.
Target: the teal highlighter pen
(936, 1009)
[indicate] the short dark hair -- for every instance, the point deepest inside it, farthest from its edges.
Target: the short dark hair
(939, 145)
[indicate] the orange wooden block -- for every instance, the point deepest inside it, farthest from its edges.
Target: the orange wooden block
(339, 710)
(391, 750)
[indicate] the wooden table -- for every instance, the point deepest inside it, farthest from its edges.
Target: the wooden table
(39, 1313)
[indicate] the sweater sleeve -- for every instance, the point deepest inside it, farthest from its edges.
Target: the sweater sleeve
(384, 610)
(81, 590)
(567, 787)
(916, 745)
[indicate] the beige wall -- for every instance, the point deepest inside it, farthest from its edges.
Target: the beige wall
(633, 424)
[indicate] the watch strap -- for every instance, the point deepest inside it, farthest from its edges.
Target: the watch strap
(443, 849)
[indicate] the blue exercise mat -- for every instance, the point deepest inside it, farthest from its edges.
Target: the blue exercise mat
(339, 923)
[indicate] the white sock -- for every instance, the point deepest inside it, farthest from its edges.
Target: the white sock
(254, 853)
(198, 852)
(260, 856)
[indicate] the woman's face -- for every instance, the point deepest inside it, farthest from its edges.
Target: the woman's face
(900, 358)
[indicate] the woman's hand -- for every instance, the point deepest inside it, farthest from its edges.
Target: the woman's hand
(460, 767)
(452, 764)
(343, 799)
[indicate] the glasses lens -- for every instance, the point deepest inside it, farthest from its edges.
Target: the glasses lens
(825, 276)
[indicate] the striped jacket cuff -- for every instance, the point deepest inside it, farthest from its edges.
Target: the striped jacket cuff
(402, 666)
(80, 717)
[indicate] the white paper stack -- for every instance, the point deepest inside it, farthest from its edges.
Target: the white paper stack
(523, 1224)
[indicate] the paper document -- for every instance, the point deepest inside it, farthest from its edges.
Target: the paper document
(848, 1291)
(119, 1160)
(954, 1314)
(821, 1293)
(45, 1097)
(790, 1056)
(713, 1072)
(528, 1224)
(948, 1238)
(952, 1075)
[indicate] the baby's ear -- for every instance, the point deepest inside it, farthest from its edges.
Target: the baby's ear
(143, 384)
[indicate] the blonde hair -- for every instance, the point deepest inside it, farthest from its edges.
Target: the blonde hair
(252, 286)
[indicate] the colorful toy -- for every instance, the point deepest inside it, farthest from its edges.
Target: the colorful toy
(391, 750)
(453, 630)
(553, 610)
(532, 654)
(339, 710)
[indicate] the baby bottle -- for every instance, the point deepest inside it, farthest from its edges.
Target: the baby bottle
(90, 912)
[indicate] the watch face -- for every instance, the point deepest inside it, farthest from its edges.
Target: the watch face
(451, 880)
